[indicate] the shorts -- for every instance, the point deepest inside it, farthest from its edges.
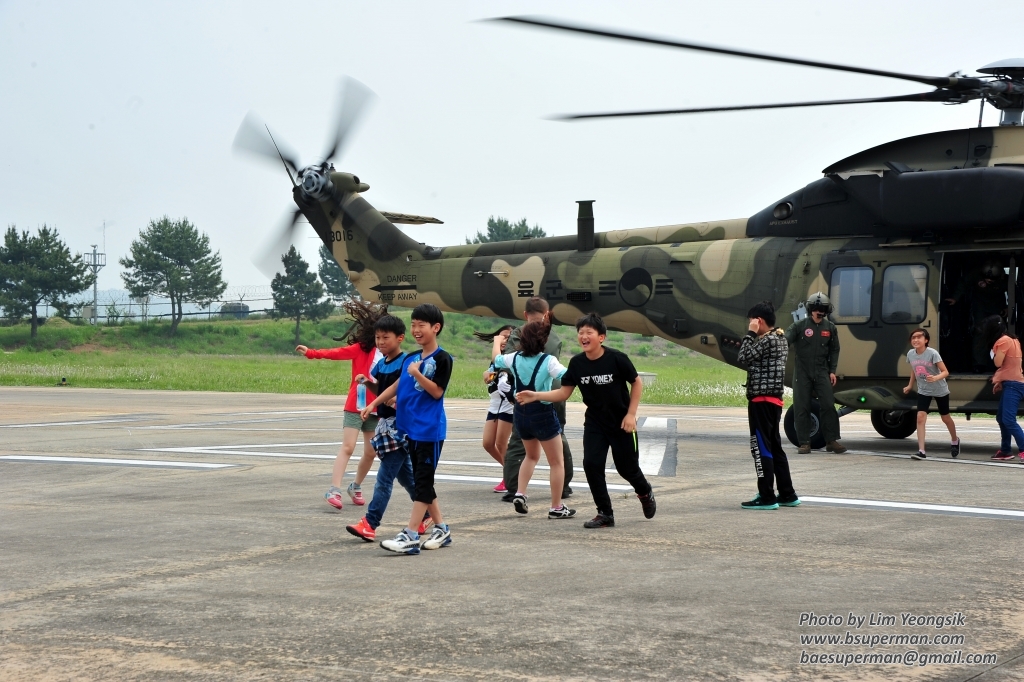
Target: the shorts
(536, 421)
(425, 455)
(941, 403)
(499, 416)
(352, 421)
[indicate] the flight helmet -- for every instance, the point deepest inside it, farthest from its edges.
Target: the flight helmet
(818, 301)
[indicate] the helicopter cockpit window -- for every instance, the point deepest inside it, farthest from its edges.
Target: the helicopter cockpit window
(904, 294)
(851, 294)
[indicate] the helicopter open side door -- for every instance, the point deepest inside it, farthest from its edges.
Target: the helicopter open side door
(879, 297)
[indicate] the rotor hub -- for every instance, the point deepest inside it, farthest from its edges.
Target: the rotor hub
(315, 183)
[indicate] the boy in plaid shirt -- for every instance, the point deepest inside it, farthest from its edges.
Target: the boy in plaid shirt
(388, 442)
(763, 352)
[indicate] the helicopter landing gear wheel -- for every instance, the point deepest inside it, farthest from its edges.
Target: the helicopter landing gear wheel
(894, 423)
(817, 437)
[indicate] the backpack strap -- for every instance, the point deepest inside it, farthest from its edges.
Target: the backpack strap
(536, 370)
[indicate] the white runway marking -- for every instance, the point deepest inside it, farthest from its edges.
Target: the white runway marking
(76, 423)
(120, 462)
(945, 459)
(984, 512)
(232, 450)
(494, 481)
(258, 414)
(652, 450)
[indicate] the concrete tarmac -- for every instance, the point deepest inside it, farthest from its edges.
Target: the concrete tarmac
(126, 554)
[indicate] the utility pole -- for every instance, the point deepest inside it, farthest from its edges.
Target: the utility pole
(95, 262)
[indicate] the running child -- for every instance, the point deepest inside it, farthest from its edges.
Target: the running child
(362, 351)
(929, 373)
(388, 442)
(419, 413)
(498, 425)
(763, 352)
(611, 389)
(536, 421)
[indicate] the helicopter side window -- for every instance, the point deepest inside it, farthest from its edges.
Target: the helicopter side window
(851, 294)
(904, 294)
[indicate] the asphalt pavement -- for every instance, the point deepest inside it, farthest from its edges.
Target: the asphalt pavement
(150, 535)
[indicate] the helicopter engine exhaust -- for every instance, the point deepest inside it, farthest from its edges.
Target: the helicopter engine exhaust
(585, 226)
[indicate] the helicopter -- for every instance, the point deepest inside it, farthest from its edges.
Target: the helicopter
(889, 234)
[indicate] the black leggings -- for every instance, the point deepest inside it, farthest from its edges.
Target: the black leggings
(596, 442)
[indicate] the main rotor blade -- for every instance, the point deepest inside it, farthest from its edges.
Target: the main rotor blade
(353, 100)
(934, 96)
(268, 259)
(253, 137)
(936, 81)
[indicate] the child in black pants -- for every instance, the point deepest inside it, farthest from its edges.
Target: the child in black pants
(763, 351)
(611, 391)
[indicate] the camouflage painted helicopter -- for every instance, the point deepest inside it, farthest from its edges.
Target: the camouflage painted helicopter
(888, 233)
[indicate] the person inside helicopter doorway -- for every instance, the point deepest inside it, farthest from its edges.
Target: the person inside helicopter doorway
(984, 291)
(815, 345)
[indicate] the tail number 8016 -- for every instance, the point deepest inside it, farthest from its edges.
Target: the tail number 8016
(341, 236)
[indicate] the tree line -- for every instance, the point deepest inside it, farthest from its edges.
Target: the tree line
(173, 259)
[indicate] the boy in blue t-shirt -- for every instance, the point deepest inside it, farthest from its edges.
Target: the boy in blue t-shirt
(420, 415)
(388, 442)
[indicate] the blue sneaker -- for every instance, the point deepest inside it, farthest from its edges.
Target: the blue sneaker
(440, 536)
(789, 500)
(405, 542)
(756, 503)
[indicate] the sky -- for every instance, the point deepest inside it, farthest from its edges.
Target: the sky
(119, 113)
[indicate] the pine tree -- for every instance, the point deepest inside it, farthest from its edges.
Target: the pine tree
(297, 292)
(37, 268)
(172, 259)
(334, 278)
(501, 230)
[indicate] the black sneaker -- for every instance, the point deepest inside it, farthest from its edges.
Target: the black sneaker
(600, 521)
(562, 512)
(788, 500)
(954, 449)
(648, 504)
(508, 497)
(519, 501)
(759, 504)
(567, 492)
(919, 455)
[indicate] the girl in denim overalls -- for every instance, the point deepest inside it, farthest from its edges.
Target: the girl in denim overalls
(537, 424)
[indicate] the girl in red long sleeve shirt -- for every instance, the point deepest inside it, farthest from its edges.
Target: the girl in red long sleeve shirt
(364, 354)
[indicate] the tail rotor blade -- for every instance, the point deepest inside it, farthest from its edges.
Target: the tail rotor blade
(268, 260)
(354, 100)
(253, 137)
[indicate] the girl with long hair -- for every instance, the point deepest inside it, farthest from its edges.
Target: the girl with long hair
(361, 349)
(537, 423)
(498, 426)
(1008, 382)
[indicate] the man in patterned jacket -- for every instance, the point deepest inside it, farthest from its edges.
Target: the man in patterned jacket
(763, 352)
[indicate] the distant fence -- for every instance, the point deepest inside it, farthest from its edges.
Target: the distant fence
(134, 312)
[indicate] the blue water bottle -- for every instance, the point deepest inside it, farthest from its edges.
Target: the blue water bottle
(360, 395)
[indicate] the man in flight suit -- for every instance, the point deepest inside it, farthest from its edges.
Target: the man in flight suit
(536, 311)
(815, 345)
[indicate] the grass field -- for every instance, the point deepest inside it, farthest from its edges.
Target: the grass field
(258, 356)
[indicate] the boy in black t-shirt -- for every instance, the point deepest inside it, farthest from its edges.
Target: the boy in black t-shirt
(611, 391)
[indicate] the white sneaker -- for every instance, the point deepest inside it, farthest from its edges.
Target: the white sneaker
(440, 536)
(404, 543)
